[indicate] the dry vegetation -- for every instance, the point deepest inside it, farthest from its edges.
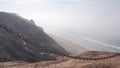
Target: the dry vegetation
(63, 62)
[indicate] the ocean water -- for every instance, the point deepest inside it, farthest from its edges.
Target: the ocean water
(88, 42)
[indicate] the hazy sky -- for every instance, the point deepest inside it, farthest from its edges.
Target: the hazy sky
(64, 12)
(96, 18)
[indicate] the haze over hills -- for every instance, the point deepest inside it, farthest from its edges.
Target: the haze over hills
(69, 45)
(12, 48)
(15, 53)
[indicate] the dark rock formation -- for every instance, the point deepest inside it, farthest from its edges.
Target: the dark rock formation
(12, 48)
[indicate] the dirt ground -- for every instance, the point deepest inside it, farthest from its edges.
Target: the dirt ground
(63, 62)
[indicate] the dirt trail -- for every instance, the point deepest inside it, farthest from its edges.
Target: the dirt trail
(63, 62)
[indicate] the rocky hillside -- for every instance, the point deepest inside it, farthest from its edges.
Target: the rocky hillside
(11, 48)
(69, 63)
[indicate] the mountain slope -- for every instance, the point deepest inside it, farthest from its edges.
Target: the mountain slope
(12, 48)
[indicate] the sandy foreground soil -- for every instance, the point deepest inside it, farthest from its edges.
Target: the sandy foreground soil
(63, 62)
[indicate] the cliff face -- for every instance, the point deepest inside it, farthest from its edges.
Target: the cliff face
(12, 48)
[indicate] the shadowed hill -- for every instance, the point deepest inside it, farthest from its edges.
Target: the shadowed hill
(12, 48)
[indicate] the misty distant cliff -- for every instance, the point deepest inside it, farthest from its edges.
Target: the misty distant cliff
(12, 48)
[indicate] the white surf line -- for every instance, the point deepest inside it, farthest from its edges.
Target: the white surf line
(101, 43)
